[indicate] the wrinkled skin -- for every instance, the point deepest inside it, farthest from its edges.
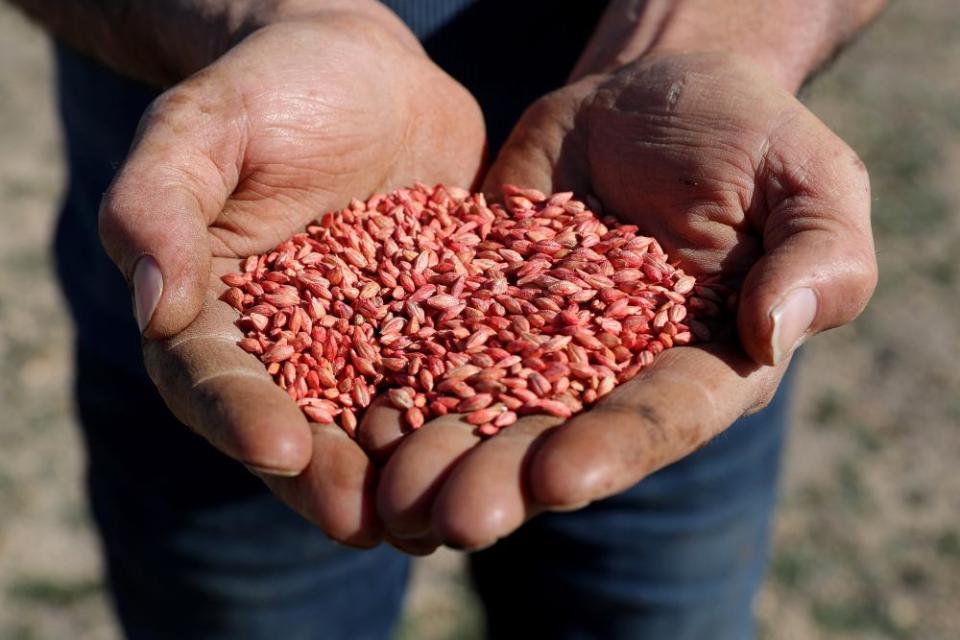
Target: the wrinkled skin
(738, 180)
(294, 121)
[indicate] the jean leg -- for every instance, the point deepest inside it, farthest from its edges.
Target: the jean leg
(196, 547)
(680, 556)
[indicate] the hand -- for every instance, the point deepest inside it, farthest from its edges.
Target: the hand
(292, 122)
(738, 181)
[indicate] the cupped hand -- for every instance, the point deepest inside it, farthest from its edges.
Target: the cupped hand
(293, 121)
(739, 182)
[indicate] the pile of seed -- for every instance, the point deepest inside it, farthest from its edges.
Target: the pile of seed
(455, 305)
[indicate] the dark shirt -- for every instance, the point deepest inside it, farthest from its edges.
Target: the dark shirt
(507, 53)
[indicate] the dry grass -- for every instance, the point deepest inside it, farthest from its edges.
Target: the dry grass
(868, 540)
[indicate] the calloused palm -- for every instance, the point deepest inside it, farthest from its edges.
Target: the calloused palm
(737, 180)
(295, 120)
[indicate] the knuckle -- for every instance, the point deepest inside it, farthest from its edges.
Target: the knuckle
(110, 224)
(852, 171)
(869, 271)
(761, 403)
(763, 398)
(865, 281)
(859, 279)
(177, 105)
(861, 175)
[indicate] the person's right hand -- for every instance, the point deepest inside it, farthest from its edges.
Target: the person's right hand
(293, 121)
(740, 183)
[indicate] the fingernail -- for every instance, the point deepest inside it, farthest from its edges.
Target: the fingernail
(569, 507)
(791, 320)
(147, 289)
(270, 471)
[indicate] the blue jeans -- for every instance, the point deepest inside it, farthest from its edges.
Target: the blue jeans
(197, 548)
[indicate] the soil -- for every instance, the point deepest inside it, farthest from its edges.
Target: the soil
(867, 540)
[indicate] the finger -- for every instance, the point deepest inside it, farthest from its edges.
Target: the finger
(485, 498)
(422, 546)
(226, 395)
(819, 268)
(689, 395)
(380, 430)
(415, 472)
(336, 491)
(153, 219)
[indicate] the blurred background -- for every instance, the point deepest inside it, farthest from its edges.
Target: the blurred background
(868, 535)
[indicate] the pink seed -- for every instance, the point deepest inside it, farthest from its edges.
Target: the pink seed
(395, 364)
(563, 288)
(234, 297)
(443, 301)
(505, 419)
(349, 422)
(355, 258)
(478, 401)
(462, 372)
(555, 408)
(364, 366)
(316, 414)
(413, 417)
(606, 385)
(251, 345)
(234, 279)
(277, 353)
(684, 284)
(425, 378)
(483, 415)
(258, 320)
(462, 390)
(539, 384)
(360, 395)
(488, 429)
(400, 398)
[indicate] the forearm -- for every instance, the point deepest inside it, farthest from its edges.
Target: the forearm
(163, 41)
(790, 38)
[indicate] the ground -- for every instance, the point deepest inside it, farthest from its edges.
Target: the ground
(867, 541)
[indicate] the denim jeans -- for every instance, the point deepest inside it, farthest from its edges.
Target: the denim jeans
(197, 548)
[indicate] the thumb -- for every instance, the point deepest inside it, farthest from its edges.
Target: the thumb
(154, 218)
(544, 149)
(819, 268)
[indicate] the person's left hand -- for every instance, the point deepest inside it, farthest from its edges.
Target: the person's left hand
(738, 181)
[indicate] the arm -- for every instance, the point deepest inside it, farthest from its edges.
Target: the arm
(789, 39)
(162, 41)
